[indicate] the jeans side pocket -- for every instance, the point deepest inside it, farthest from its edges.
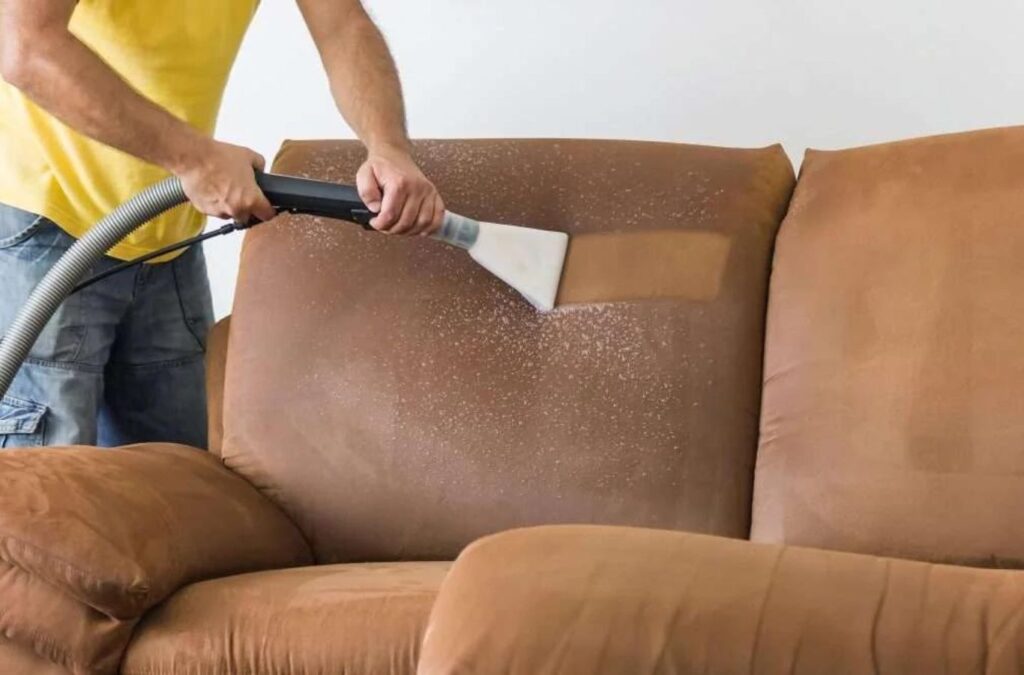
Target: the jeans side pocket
(22, 423)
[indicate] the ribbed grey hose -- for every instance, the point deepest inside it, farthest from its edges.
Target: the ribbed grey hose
(72, 267)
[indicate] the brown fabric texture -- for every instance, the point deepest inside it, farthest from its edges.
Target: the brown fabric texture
(605, 601)
(352, 619)
(216, 363)
(90, 539)
(41, 619)
(894, 373)
(16, 660)
(399, 402)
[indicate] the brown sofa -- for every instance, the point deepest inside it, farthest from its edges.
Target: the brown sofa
(381, 406)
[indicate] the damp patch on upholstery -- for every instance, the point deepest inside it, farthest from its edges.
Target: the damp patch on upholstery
(622, 266)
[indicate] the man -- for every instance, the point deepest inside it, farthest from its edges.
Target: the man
(101, 99)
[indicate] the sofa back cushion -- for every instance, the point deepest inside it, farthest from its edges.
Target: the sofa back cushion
(398, 401)
(893, 418)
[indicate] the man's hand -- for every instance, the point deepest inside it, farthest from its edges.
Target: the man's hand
(394, 188)
(220, 181)
(365, 85)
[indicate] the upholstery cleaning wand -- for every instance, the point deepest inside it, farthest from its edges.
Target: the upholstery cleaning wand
(528, 260)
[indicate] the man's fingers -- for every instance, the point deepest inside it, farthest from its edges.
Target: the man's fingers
(224, 184)
(240, 214)
(410, 213)
(250, 204)
(391, 206)
(239, 207)
(259, 161)
(433, 218)
(259, 205)
(438, 219)
(403, 200)
(425, 218)
(369, 189)
(262, 208)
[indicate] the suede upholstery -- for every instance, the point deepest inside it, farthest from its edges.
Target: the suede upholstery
(18, 659)
(38, 618)
(392, 402)
(603, 600)
(356, 619)
(433, 405)
(894, 374)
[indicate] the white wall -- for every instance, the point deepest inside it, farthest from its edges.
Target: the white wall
(826, 73)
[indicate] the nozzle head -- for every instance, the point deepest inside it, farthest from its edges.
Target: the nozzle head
(458, 231)
(527, 259)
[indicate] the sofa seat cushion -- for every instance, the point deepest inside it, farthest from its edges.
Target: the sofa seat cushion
(15, 658)
(352, 619)
(611, 600)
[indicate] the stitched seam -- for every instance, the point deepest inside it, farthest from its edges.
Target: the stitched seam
(24, 235)
(22, 427)
(764, 604)
(157, 365)
(65, 365)
(79, 330)
(876, 660)
(181, 306)
(16, 402)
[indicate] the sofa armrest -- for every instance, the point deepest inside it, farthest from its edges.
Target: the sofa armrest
(115, 532)
(578, 599)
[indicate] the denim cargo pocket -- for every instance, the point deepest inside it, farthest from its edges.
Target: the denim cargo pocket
(21, 423)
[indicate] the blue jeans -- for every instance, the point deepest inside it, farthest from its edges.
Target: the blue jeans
(121, 362)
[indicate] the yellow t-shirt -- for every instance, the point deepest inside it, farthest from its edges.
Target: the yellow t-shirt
(177, 54)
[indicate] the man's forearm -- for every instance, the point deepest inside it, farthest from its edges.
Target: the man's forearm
(362, 74)
(365, 85)
(63, 76)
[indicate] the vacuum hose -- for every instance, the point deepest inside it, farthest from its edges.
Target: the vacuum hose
(61, 280)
